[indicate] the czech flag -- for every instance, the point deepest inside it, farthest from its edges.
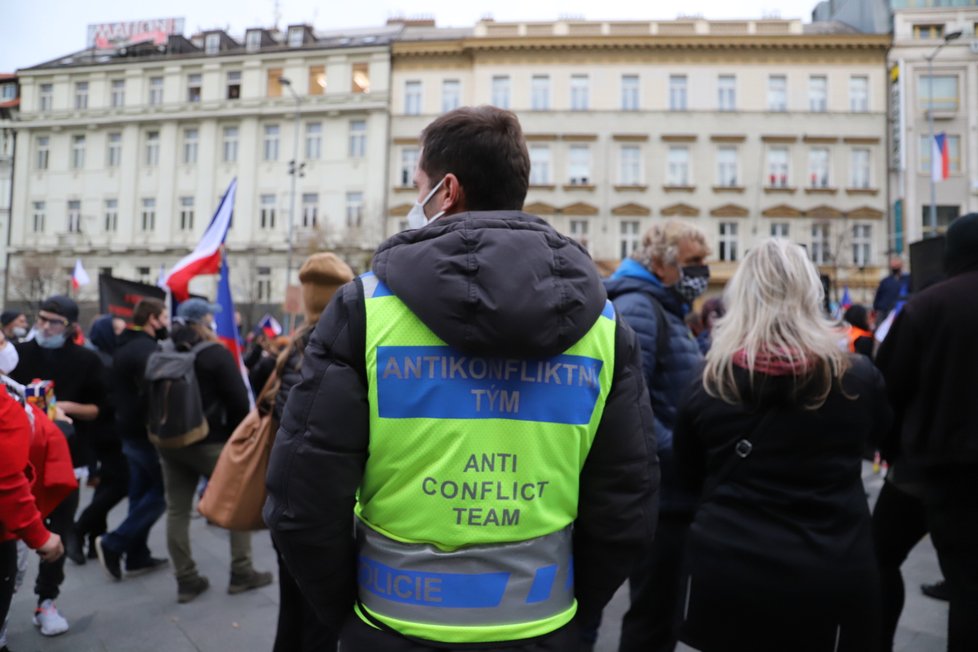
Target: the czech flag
(227, 330)
(79, 276)
(940, 166)
(846, 301)
(270, 326)
(206, 256)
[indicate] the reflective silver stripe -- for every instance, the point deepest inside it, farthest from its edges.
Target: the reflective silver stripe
(370, 283)
(496, 584)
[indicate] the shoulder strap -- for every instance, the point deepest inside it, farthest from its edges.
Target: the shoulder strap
(200, 346)
(739, 452)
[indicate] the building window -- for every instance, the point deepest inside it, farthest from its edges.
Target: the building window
(317, 80)
(45, 97)
(580, 93)
(629, 238)
(862, 244)
(113, 154)
(234, 84)
(629, 92)
(310, 209)
(777, 167)
(821, 252)
(779, 230)
(451, 95)
(118, 98)
(253, 40)
(297, 36)
(354, 209)
(630, 167)
(727, 93)
(540, 92)
(266, 216)
(859, 177)
(38, 217)
(412, 97)
(74, 217)
(212, 44)
(193, 88)
(953, 153)
(77, 152)
(728, 242)
(191, 138)
(361, 78)
(186, 213)
(540, 165)
(859, 93)
(677, 92)
(270, 143)
(930, 32)
(945, 215)
(148, 215)
(264, 285)
(111, 215)
(230, 145)
(155, 91)
(818, 93)
(943, 96)
(358, 138)
(818, 167)
(579, 165)
(273, 87)
(152, 148)
(314, 140)
(777, 93)
(727, 166)
(677, 166)
(409, 161)
(500, 91)
(578, 231)
(105, 271)
(43, 151)
(142, 274)
(8, 92)
(81, 95)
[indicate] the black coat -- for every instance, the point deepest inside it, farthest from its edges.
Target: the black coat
(129, 383)
(930, 362)
(779, 553)
(503, 284)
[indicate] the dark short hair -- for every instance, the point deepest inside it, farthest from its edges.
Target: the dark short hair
(146, 308)
(484, 147)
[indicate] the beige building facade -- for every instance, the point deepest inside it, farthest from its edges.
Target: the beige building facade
(746, 128)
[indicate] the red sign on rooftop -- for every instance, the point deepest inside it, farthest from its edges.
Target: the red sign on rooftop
(113, 35)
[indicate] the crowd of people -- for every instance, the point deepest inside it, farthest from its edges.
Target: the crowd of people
(480, 439)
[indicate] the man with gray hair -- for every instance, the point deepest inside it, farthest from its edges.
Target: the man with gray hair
(653, 290)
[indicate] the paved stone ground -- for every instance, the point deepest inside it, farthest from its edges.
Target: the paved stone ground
(142, 614)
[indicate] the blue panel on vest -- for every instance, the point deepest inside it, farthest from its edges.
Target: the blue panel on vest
(438, 382)
(543, 584)
(609, 310)
(443, 590)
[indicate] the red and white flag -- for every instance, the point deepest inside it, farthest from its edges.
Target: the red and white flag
(206, 256)
(79, 276)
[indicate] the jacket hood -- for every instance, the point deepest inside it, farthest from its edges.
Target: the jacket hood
(632, 276)
(499, 283)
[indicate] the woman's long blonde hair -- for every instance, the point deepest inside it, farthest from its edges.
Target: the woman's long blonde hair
(774, 308)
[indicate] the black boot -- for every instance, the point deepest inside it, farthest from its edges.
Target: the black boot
(73, 546)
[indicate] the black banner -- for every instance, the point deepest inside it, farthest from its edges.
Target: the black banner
(118, 297)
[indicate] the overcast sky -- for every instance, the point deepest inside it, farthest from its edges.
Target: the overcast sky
(34, 31)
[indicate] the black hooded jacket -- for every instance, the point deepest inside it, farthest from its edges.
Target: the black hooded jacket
(488, 283)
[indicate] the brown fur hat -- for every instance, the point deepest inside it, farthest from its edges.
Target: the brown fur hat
(321, 275)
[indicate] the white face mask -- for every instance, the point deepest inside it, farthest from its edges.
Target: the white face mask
(416, 217)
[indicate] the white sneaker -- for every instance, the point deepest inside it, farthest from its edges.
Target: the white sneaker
(49, 620)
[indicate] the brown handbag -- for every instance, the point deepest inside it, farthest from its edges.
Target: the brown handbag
(235, 492)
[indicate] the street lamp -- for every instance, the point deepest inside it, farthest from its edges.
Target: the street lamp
(932, 217)
(294, 170)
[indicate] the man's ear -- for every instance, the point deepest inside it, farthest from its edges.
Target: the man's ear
(453, 201)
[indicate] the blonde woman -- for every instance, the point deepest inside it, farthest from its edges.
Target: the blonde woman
(779, 554)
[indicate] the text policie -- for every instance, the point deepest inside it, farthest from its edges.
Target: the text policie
(486, 490)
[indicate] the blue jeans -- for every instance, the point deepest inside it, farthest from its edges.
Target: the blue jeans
(146, 502)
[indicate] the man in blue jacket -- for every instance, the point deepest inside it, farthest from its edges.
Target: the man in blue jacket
(653, 290)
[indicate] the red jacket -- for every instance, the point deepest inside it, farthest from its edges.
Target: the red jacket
(19, 515)
(50, 458)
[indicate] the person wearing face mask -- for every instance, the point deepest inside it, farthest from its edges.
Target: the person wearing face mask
(150, 324)
(892, 289)
(653, 290)
(81, 392)
(14, 325)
